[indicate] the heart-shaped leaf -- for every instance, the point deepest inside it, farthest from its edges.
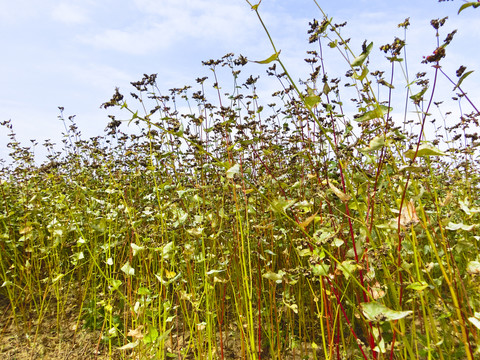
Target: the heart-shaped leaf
(377, 312)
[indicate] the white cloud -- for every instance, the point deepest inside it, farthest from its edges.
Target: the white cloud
(97, 76)
(16, 12)
(164, 24)
(70, 13)
(132, 41)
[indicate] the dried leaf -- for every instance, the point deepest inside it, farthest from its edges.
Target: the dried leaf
(307, 221)
(408, 216)
(342, 196)
(129, 345)
(136, 333)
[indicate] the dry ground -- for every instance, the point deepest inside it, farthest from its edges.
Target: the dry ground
(50, 338)
(56, 339)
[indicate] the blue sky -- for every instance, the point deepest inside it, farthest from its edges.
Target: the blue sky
(74, 53)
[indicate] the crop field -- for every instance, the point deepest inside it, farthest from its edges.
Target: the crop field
(229, 227)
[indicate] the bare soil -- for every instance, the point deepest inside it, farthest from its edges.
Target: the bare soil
(28, 337)
(63, 338)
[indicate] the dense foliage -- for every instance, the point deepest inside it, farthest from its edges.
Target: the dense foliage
(288, 229)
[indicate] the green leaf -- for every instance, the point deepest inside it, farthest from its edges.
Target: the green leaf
(183, 192)
(473, 267)
(214, 271)
(464, 6)
(377, 312)
(362, 75)
(384, 83)
(461, 79)
(464, 205)
(281, 205)
(143, 291)
(414, 169)
(165, 334)
(58, 277)
(180, 130)
(423, 151)
(167, 249)
(338, 242)
(270, 59)
(418, 96)
(136, 249)
(348, 267)
(475, 320)
(312, 100)
(323, 235)
(115, 283)
(376, 113)
(326, 88)
(235, 169)
(454, 227)
(151, 336)
(293, 307)
(77, 257)
(255, 7)
(127, 269)
(274, 276)
(359, 60)
(375, 144)
(418, 286)
(320, 269)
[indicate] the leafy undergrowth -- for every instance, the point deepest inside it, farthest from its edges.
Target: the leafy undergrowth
(232, 229)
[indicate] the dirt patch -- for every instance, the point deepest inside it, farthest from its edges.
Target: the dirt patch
(56, 338)
(29, 337)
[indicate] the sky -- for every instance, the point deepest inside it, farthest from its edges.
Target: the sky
(74, 53)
